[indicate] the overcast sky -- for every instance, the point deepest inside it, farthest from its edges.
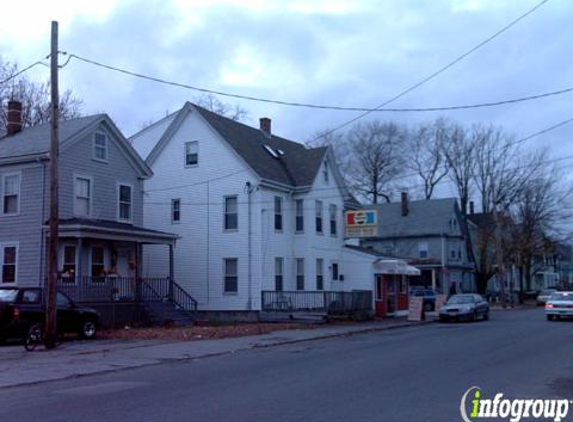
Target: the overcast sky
(336, 52)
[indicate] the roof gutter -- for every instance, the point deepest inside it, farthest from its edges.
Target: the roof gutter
(265, 183)
(25, 158)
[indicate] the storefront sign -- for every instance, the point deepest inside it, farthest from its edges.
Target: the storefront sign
(416, 308)
(360, 223)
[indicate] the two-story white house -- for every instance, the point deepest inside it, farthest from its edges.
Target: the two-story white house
(253, 211)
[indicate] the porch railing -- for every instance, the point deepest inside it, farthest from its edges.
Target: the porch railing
(317, 301)
(126, 289)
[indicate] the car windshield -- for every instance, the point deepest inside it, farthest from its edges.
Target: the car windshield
(8, 295)
(456, 300)
(547, 292)
(562, 296)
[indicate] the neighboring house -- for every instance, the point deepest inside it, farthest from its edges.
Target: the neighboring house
(432, 235)
(255, 212)
(100, 205)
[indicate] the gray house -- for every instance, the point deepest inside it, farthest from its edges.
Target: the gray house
(432, 235)
(100, 207)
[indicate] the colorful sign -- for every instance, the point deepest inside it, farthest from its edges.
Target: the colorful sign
(360, 223)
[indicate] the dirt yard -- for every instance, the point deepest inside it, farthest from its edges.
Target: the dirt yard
(199, 333)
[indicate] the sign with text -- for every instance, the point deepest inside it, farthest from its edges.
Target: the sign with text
(415, 308)
(360, 223)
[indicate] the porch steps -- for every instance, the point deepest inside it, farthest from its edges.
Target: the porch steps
(165, 313)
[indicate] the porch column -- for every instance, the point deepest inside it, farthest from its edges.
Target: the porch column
(138, 259)
(171, 272)
(433, 279)
(79, 272)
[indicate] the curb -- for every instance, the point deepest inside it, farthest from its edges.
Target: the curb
(160, 361)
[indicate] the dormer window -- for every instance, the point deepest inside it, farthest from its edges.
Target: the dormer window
(325, 172)
(191, 153)
(100, 146)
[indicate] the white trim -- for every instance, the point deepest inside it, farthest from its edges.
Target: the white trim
(4, 245)
(118, 193)
(2, 187)
(173, 200)
(94, 147)
(91, 193)
(185, 154)
(235, 229)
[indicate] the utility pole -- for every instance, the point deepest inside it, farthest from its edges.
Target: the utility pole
(51, 328)
(498, 246)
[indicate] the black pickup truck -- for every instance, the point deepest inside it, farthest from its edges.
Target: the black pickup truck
(20, 307)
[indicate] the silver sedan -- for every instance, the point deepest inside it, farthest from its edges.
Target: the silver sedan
(559, 304)
(468, 307)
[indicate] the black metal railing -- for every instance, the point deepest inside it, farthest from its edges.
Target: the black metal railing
(181, 298)
(317, 301)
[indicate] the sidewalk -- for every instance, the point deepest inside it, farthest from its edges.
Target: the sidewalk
(78, 358)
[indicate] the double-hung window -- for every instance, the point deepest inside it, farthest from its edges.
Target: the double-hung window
(83, 196)
(333, 227)
(191, 153)
(175, 210)
(125, 200)
(278, 213)
(300, 273)
(423, 250)
(318, 216)
(9, 260)
(279, 274)
(100, 146)
(98, 261)
(319, 274)
(69, 263)
(231, 213)
(231, 281)
(11, 194)
(299, 216)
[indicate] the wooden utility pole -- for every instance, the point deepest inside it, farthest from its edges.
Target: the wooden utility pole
(498, 247)
(51, 292)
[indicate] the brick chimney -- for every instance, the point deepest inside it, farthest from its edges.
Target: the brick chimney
(14, 123)
(471, 207)
(404, 204)
(265, 125)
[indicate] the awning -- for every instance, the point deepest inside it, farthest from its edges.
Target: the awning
(395, 266)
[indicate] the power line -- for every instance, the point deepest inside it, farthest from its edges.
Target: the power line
(438, 72)
(15, 75)
(321, 106)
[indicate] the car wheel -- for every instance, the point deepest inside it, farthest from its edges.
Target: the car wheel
(550, 318)
(474, 317)
(486, 316)
(428, 307)
(88, 330)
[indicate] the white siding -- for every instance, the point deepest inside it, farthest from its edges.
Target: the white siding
(204, 243)
(145, 141)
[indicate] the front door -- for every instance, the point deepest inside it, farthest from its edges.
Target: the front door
(391, 289)
(381, 305)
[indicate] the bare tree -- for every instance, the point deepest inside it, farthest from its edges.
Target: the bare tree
(459, 152)
(376, 159)
(539, 213)
(428, 160)
(35, 98)
(212, 103)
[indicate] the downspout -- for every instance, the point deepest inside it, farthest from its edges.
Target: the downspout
(249, 246)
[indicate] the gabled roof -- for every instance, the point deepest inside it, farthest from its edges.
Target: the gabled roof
(427, 217)
(297, 167)
(35, 141)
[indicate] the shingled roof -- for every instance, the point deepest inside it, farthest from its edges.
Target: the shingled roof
(36, 140)
(292, 164)
(428, 217)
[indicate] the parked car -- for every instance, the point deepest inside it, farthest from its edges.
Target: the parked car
(544, 295)
(20, 307)
(559, 304)
(467, 307)
(429, 301)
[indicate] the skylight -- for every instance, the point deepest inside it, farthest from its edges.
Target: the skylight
(271, 151)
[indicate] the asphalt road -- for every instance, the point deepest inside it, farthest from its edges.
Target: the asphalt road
(412, 374)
